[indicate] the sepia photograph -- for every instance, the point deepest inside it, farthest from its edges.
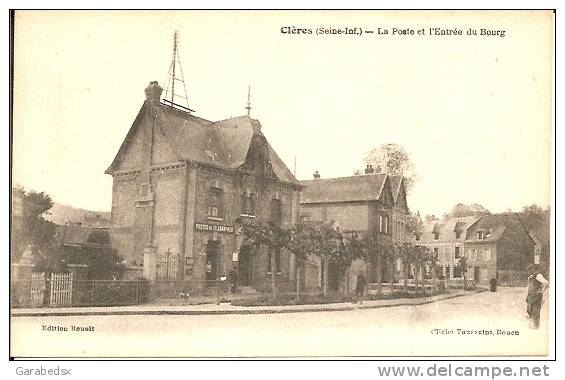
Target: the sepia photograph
(282, 184)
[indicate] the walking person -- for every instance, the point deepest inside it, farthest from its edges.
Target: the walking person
(537, 284)
(360, 288)
(233, 280)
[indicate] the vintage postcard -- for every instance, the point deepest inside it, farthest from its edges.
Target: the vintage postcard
(243, 184)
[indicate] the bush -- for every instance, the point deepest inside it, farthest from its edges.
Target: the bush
(319, 299)
(402, 294)
(110, 293)
(290, 299)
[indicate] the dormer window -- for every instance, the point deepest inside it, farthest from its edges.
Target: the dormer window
(436, 231)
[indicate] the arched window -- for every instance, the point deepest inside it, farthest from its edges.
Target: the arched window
(276, 210)
(215, 203)
(248, 203)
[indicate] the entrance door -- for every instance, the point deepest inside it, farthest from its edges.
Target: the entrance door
(333, 277)
(477, 274)
(244, 266)
(211, 262)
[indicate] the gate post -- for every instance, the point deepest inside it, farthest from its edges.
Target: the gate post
(150, 263)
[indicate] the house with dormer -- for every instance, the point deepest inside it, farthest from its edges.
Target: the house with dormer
(499, 246)
(179, 184)
(446, 239)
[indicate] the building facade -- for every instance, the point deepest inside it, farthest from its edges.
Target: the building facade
(400, 212)
(499, 246)
(495, 246)
(360, 203)
(180, 182)
(446, 239)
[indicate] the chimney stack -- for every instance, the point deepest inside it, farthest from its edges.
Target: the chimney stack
(153, 92)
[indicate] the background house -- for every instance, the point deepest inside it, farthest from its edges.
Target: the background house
(446, 238)
(500, 246)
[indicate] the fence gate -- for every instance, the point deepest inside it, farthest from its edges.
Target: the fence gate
(61, 289)
(168, 265)
(37, 289)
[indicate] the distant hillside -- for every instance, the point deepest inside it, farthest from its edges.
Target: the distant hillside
(59, 214)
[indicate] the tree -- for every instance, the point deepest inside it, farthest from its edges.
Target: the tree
(421, 257)
(103, 263)
(406, 254)
(463, 267)
(415, 225)
(275, 237)
(328, 244)
(431, 259)
(382, 254)
(34, 228)
(461, 209)
(537, 221)
(300, 245)
(392, 159)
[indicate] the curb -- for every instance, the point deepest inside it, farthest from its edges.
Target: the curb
(281, 310)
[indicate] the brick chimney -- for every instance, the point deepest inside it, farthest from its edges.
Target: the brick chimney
(153, 92)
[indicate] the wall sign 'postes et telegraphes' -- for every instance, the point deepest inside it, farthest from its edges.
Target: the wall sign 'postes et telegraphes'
(213, 227)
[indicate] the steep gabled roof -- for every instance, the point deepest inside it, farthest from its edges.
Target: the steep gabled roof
(223, 143)
(446, 228)
(395, 182)
(495, 225)
(343, 189)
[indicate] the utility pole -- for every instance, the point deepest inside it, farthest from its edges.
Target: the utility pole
(217, 275)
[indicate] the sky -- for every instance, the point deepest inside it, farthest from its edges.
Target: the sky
(474, 112)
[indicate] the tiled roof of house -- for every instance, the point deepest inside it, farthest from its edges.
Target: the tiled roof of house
(494, 226)
(343, 189)
(446, 228)
(73, 234)
(224, 143)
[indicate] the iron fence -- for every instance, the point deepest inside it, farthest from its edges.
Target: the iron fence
(62, 290)
(168, 266)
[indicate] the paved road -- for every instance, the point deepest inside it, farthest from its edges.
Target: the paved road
(408, 330)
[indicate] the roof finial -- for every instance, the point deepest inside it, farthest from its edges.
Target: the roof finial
(248, 108)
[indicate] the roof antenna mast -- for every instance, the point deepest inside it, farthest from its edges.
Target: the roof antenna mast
(248, 108)
(172, 77)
